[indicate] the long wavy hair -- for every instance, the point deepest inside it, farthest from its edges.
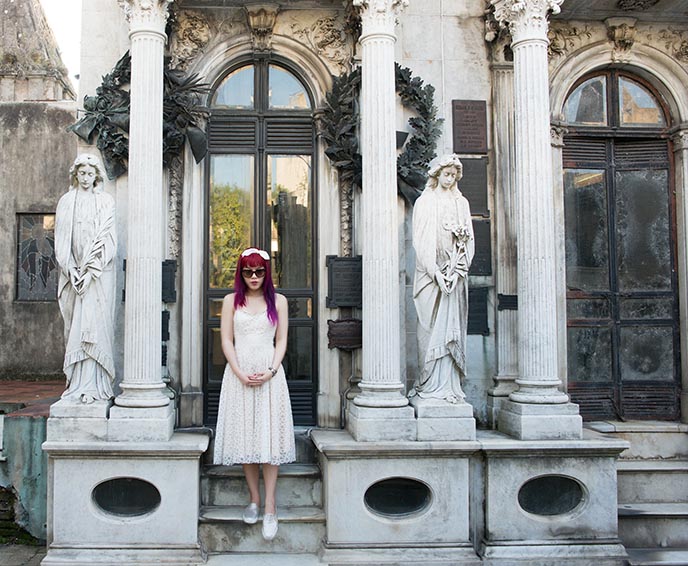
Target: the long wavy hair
(254, 261)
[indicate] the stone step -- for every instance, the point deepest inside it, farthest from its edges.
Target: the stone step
(657, 556)
(221, 530)
(649, 525)
(298, 485)
(652, 481)
(263, 559)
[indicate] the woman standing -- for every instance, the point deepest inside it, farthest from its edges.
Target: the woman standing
(254, 424)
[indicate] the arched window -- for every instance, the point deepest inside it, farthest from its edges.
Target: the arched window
(622, 292)
(260, 192)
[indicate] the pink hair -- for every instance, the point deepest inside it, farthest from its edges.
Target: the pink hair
(255, 261)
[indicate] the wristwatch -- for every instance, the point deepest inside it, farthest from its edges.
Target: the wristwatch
(273, 370)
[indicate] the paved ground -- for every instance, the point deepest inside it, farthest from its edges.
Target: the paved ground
(20, 555)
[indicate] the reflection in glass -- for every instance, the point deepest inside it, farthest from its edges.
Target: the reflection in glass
(647, 353)
(579, 309)
(289, 204)
(215, 308)
(298, 359)
(216, 356)
(589, 354)
(642, 225)
(37, 271)
(637, 107)
(286, 92)
(231, 203)
(236, 90)
(550, 495)
(646, 308)
(300, 308)
(587, 105)
(585, 207)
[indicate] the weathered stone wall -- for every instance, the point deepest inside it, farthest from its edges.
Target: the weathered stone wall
(35, 155)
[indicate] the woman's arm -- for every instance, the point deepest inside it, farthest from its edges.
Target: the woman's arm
(227, 338)
(280, 341)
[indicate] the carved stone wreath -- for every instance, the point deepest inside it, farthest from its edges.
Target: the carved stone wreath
(339, 124)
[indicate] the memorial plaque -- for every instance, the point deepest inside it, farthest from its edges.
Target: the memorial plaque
(507, 302)
(469, 120)
(477, 311)
(473, 185)
(344, 282)
(482, 260)
(345, 334)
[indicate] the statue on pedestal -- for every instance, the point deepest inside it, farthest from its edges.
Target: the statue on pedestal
(444, 246)
(85, 247)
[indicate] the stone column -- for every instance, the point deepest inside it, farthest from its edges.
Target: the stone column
(505, 217)
(381, 410)
(537, 409)
(143, 410)
(680, 141)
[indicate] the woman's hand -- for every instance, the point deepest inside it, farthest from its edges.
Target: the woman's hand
(246, 379)
(260, 378)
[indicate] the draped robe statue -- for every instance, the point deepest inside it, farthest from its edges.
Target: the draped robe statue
(444, 245)
(85, 247)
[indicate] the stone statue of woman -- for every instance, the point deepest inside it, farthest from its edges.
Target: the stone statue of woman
(85, 247)
(444, 246)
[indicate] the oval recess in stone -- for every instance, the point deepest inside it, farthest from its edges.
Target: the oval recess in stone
(397, 497)
(550, 495)
(126, 497)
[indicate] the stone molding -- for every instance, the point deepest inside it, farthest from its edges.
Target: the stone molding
(635, 5)
(621, 32)
(557, 132)
(150, 15)
(680, 139)
(526, 19)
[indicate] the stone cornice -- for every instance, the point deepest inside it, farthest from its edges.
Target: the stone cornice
(526, 19)
(379, 16)
(146, 15)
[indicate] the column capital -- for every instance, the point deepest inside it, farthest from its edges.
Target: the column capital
(680, 138)
(380, 16)
(557, 132)
(526, 19)
(146, 14)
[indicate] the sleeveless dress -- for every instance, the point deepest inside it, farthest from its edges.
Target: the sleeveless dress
(254, 424)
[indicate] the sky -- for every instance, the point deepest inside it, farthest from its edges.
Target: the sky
(64, 18)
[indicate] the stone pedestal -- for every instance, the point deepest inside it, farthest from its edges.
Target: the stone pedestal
(372, 423)
(545, 422)
(149, 516)
(557, 508)
(440, 420)
(367, 523)
(78, 421)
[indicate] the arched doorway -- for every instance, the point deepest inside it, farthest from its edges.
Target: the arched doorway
(622, 289)
(260, 192)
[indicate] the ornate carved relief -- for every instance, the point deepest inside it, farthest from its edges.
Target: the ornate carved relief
(330, 38)
(175, 201)
(190, 35)
(526, 19)
(621, 32)
(675, 42)
(637, 5)
(145, 12)
(261, 22)
(557, 132)
(680, 140)
(564, 37)
(381, 13)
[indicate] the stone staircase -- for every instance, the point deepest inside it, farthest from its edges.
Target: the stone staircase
(653, 511)
(228, 541)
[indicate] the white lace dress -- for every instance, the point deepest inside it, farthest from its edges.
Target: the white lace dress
(254, 424)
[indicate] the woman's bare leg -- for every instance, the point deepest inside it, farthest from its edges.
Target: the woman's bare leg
(270, 478)
(252, 473)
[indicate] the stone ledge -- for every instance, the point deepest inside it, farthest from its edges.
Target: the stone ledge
(653, 510)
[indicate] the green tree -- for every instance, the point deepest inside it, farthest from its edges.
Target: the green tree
(230, 232)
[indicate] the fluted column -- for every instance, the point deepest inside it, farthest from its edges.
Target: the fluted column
(382, 400)
(142, 385)
(537, 408)
(505, 216)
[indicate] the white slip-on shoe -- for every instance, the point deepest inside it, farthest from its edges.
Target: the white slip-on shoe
(269, 526)
(250, 515)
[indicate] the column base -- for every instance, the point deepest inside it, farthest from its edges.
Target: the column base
(540, 422)
(76, 421)
(381, 423)
(141, 424)
(494, 406)
(441, 420)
